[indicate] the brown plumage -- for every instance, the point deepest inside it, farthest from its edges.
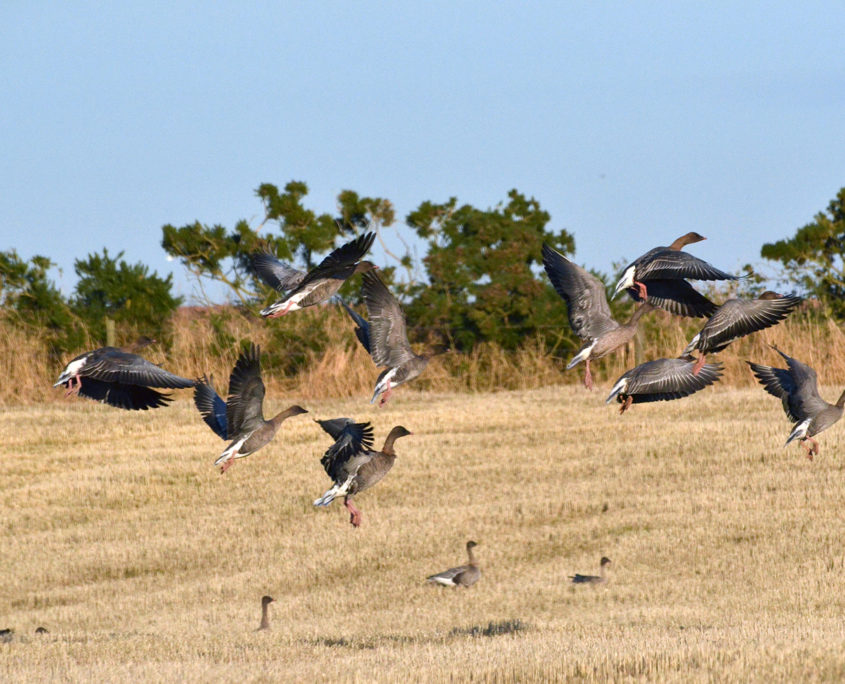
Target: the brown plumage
(320, 283)
(351, 464)
(797, 388)
(265, 613)
(461, 576)
(240, 419)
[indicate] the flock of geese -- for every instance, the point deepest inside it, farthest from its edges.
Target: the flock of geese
(657, 279)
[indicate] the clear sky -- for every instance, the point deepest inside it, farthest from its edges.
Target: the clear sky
(630, 122)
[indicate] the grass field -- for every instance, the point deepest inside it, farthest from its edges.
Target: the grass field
(144, 563)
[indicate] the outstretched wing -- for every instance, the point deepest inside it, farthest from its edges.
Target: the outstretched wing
(584, 294)
(276, 274)
(671, 263)
(246, 394)
(343, 257)
(110, 364)
(362, 331)
(211, 407)
(130, 397)
(388, 334)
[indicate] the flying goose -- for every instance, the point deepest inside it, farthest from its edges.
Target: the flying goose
(119, 378)
(351, 463)
(385, 337)
(797, 388)
(658, 276)
(301, 289)
(662, 380)
(463, 575)
(588, 310)
(593, 579)
(240, 419)
(265, 615)
(737, 318)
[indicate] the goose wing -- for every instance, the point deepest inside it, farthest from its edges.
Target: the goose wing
(351, 449)
(388, 333)
(276, 274)
(130, 397)
(344, 257)
(738, 317)
(211, 407)
(666, 379)
(584, 294)
(677, 297)
(796, 386)
(362, 331)
(664, 262)
(246, 394)
(110, 364)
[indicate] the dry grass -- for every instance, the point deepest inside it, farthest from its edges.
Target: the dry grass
(145, 564)
(335, 365)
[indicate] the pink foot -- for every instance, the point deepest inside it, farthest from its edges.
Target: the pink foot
(626, 404)
(282, 312)
(385, 396)
(226, 465)
(699, 364)
(641, 289)
(73, 388)
(588, 377)
(354, 513)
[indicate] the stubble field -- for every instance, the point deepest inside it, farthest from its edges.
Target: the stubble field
(144, 563)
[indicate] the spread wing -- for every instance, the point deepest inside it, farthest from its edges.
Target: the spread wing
(584, 294)
(211, 407)
(276, 274)
(796, 387)
(362, 331)
(388, 334)
(677, 297)
(351, 448)
(737, 318)
(110, 364)
(671, 263)
(665, 379)
(130, 397)
(339, 260)
(246, 394)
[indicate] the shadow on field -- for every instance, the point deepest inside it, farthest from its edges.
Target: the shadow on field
(492, 629)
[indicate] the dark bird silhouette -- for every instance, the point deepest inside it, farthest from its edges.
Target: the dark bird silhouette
(300, 289)
(737, 318)
(588, 310)
(265, 613)
(593, 579)
(797, 388)
(240, 419)
(461, 576)
(662, 380)
(351, 463)
(119, 378)
(658, 276)
(385, 337)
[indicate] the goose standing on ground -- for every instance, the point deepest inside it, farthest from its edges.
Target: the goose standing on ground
(119, 378)
(351, 463)
(797, 388)
(658, 276)
(463, 575)
(385, 337)
(662, 380)
(240, 418)
(737, 318)
(300, 289)
(588, 310)
(265, 613)
(593, 579)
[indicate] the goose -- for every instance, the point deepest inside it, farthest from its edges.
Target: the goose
(593, 579)
(301, 289)
(463, 575)
(41, 630)
(737, 318)
(120, 378)
(588, 310)
(265, 613)
(240, 419)
(352, 464)
(662, 380)
(385, 337)
(797, 388)
(658, 276)
(6, 635)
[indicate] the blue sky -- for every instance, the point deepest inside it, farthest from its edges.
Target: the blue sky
(631, 123)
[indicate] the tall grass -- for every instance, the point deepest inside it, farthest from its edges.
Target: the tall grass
(314, 354)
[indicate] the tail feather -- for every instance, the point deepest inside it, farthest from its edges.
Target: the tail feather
(799, 431)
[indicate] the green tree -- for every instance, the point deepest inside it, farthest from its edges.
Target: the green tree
(485, 273)
(213, 252)
(29, 298)
(127, 293)
(813, 258)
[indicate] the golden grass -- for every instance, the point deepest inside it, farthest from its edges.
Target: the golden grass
(144, 563)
